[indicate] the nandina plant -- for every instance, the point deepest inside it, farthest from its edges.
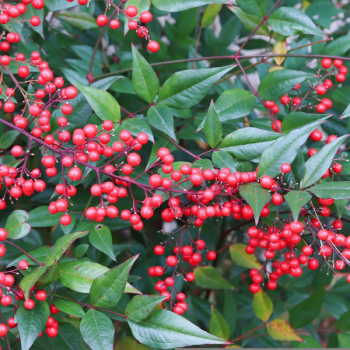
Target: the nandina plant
(174, 174)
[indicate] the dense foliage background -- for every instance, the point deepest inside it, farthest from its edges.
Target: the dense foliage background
(315, 304)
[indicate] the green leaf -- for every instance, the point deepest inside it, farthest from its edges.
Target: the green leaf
(144, 78)
(141, 306)
(218, 326)
(137, 125)
(343, 324)
(29, 280)
(103, 103)
(79, 275)
(279, 329)
(41, 217)
(39, 254)
(345, 114)
(52, 275)
(80, 20)
(250, 21)
(256, 197)
(180, 5)
(304, 313)
(338, 47)
(68, 338)
(58, 5)
(253, 7)
(69, 307)
(8, 138)
(161, 118)
(61, 246)
(297, 120)
(241, 258)
(209, 277)
(209, 14)
(317, 165)
(262, 305)
(166, 330)
(101, 238)
(308, 343)
(230, 310)
(283, 150)
(212, 126)
(97, 330)
(340, 205)
(335, 190)
(248, 143)
(80, 250)
(16, 224)
(187, 88)
(224, 160)
(277, 83)
(31, 322)
(296, 200)
(289, 21)
(107, 289)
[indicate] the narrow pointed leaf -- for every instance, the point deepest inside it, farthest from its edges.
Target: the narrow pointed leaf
(297, 120)
(277, 83)
(69, 307)
(29, 280)
(107, 289)
(335, 190)
(256, 197)
(254, 7)
(186, 88)
(209, 277)
(218, 325)
(166, 330)
(262, 305)
(340, 205)
(318, 164)
(101, 239)
(212, 126)
(210, 14)
(241, 258)
(224, 160)
(161, 118)
(97, 330)
(141, 306)
(41, 217)
(296, 200)
(144, 78)
(283, 150)
(180, 5)
(346, 113)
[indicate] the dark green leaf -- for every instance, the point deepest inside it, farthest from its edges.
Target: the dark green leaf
(80, 20)
(97, 330)
(224, 160)
(8, 138)
(297, 120)
(180, 5)
(101, 238)
(218, 326)
(253, 7)
(41, 217)
(279, 82)
(335, 190)
(289, 21)
(166, 330)
(31, 322)
(144, 78)
(296, 200)
(141, 306)
(317, 165)
(256, 197)
(39, 254)
(283, 150)
(137, 125)
(343, 323)
(69, 307)
(186, 88)
(340, 205)
(161, 118)
(248, 143)
(16, 224)
(107, 289)
(212, 126)
(29, 280)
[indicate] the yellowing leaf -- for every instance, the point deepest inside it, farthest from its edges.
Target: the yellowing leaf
(262, 305)
(280, 47)
(241, 258)
(279, 329)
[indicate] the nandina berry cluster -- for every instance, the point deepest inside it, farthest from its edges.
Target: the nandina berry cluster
(135, 22)
(7, 282)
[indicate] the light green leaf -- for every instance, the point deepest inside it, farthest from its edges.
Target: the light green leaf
(137, 125)
(209, 277)
(218, 326)
(241, 258)
(296, 200)
(186, 88)
(69, 307)
(103, 103)
(16, 224)
(29, 280)
(289, 21)
(166, 330)
(97, 330)
(253, 7)
(262, 305)
(277, 83)
(141, 306)
(317, 165)
(107, 289)
(209, 14)
(144, 78)
(256, 197)
(212, 126)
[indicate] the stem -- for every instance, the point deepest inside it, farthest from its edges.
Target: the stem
(23, 251)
